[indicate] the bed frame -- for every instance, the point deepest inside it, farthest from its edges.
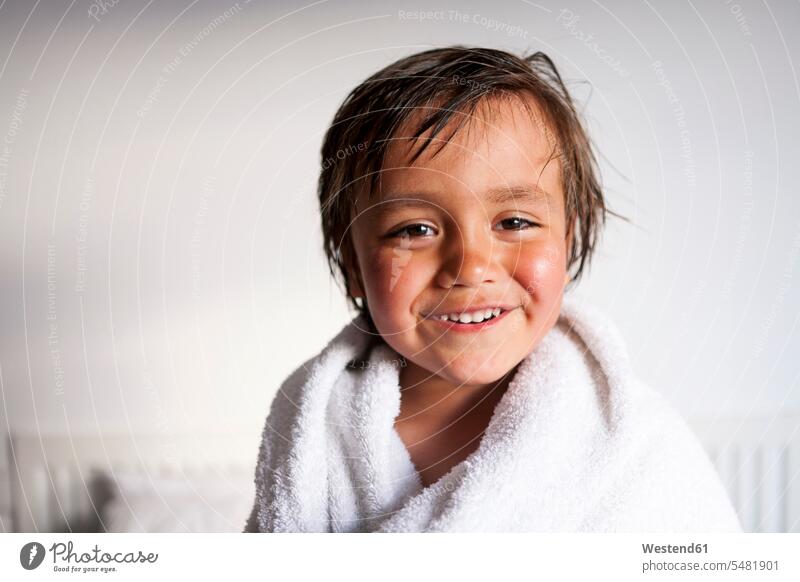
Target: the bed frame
(60, 484)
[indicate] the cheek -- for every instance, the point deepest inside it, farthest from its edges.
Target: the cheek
(541, 272)
(394, 278)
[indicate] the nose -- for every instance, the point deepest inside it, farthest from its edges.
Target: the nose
(469, 260)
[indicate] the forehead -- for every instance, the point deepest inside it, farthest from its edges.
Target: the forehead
(510, 121)
(503, 142)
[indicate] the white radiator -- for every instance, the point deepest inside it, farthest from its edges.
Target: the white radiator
(758, 460)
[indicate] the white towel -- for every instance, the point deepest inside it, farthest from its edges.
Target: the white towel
(576, 444)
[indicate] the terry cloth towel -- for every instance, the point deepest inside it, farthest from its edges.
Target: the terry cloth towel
(576, 444)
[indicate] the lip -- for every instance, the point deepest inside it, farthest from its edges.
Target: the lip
(472, 327)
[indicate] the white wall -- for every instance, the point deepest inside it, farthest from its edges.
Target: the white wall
(193, 188)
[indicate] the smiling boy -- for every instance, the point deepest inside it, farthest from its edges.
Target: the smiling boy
(469, 203)
(476, 222)
(481, 228)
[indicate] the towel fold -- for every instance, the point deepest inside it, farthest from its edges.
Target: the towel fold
(576, 444)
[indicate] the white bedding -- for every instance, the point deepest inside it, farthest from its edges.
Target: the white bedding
(208, 503)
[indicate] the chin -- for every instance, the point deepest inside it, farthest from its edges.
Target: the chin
(472, 372)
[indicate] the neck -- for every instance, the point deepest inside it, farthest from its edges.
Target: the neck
(421, 389)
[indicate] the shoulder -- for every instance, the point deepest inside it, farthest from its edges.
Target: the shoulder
(670, 482)
(351, 341)
(678, 480)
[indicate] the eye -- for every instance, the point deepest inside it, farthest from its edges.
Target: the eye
(518, 223)
(414, 231)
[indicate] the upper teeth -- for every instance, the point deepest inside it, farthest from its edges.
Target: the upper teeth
(471, 317)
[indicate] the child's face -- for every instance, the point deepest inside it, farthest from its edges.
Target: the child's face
(460, 240)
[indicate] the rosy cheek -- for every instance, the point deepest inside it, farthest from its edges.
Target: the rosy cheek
(542, 272)
(389, 278)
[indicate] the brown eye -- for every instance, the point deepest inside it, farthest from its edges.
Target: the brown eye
(414, 231)
(517, 223)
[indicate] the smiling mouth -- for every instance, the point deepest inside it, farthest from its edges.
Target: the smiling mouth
(474, 320)
(471, 317)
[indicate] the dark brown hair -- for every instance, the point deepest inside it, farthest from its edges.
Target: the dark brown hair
(449, 82)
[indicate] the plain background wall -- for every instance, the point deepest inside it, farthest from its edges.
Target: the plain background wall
(160, 245)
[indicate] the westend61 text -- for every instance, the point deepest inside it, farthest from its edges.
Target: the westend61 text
(670, 549)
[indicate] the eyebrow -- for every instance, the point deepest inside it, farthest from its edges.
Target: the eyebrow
(497, 195)
(525, 192)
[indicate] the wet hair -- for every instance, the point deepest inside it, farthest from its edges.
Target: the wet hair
(447, 85)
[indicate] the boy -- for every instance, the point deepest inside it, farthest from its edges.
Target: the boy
(459, 198)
